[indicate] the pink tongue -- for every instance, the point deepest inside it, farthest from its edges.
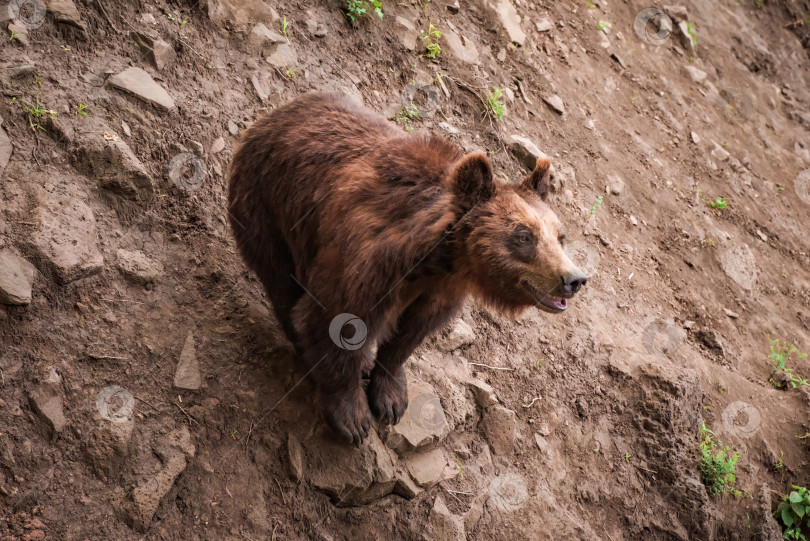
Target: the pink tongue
(562, 303)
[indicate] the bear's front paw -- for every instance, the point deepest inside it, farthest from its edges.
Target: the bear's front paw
(348, 414)
(388, 395)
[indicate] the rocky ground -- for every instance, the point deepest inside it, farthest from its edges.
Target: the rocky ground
(146, 393)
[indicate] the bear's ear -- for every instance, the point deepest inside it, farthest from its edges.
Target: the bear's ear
(539, 180)
(472, 179)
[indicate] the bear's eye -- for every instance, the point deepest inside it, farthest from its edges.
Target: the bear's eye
(524, 238)
(561, 238)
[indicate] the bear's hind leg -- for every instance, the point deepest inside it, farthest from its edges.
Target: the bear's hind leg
(388, 389)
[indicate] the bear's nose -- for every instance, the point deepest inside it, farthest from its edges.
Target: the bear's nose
(573, 282)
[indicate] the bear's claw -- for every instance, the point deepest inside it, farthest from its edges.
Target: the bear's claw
(388, 395)
(349, 416)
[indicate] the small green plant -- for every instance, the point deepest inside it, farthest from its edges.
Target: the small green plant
(184, 22)
(35, 113)
(406, 115)
(780, 188)
(792, 510)
(431, 40)
(590, 4)
(357, 9)
(495, 105)
(759, 4)
(597, 204)
(779, 463)
(690, 28)
(14, 35)
(65, 48)
(718, 464)
(781, 353)
(708, 242)
(82, 110)
(719, 203)
(291, 73)
(284, 25)
(601, 25)
(627, 457)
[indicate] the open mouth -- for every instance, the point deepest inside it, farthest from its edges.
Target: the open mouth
(555, 304)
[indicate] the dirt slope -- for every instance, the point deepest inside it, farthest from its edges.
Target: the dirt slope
(145, 392)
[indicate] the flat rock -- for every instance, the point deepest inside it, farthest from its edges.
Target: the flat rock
(483, 393)
(137, 267)
(139, 83)
(20, 32)
(261, 35)
(556, 103)
(509, 19)
(461, 334)
(423, 423)
(461, 47)
(499, 425)
(282, 56)
(686, 38)
(218, 145)
(406, 33)
(67, 240)
(5, 147)
(107, 448)
(446, 526)
(426, 468)
(159, 52)
(46, 400)
(104, 156)
(615, 184)
(405, 486)
(16, 279)
(65, 11)
(240, 13)
(543, 25)
(187, 375)
(697, 75)
(349, 475)
(525, 151)
(174, 450)
(738, 263)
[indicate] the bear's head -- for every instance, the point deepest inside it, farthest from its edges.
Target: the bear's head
(513, 241)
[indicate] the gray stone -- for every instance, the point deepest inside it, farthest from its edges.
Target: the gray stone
(406, 33)
(137, 267)
(67, 240)
(556, 103)
(510, 20)
(677, 13)
(739, 264)
(350, 475)
(218, 145)
(138, 82)
(65, 11)
(261, 36)
(461, 47)
(240, 13)
(174, 450)
(695, 138)
(423, 423)
(187, 376)
(426, 468)
(615, 184)
(405, 486)
(525, 151)
(484, 394)
(453, 7)
(697, 75)
(686, 38)
(159, 52)
(19, 31)
(283, 56)
(460, 335)
(543, 25)
(46, 400)
(5, 147)
(446, 526)
(107, 448)
(499, 425)
(16, 279)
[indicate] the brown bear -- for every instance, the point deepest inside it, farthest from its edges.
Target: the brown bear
(368, 240)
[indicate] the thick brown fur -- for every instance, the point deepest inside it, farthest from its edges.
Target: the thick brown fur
(395, 229)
